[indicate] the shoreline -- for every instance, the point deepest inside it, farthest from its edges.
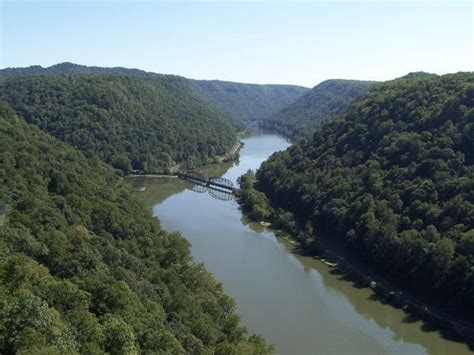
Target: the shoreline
(172, 176)
(396, 296)
(345, 264)
(230, 155)
(360, 275)
(173, 171)
(350, 266)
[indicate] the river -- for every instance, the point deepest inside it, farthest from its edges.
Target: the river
(293, 301)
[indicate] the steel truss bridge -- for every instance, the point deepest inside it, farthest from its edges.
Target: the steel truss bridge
(214, 184)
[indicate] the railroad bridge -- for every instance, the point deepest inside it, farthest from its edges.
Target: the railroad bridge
(212, 182)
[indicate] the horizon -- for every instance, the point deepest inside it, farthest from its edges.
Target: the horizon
(237, 177)
(229, 81)
(247, 42)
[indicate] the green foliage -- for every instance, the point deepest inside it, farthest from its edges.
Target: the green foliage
(253, 202)
(256, 206)
(310, 111)
(246, 102)
(119, 336)
(394, 178)
(3, 211)
(242, 102)
(85, 268)
(146, 123)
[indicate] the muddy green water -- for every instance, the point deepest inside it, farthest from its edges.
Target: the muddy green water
(293, 301)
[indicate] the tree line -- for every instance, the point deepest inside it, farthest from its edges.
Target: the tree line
(143, 123)
(85, 268)
(393, 177)
(310, 111)
(242, 102)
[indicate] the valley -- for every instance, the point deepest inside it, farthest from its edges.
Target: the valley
(380, 169)
(294, 301)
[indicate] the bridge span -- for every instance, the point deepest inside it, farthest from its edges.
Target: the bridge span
(213, 181)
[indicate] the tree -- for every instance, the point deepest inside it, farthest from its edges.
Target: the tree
(119, 336)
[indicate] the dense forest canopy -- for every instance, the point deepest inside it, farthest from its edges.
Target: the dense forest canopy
(71, 68)
(393, 178)
(127, 121)
(247, 102)
(85, 268)
(310, 111)
(242, 102)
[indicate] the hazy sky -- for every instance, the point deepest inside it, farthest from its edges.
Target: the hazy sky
(261, 42)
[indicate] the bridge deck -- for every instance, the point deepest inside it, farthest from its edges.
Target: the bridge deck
(208, 182)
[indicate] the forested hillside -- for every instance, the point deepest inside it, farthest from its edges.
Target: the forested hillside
(242, 102)
(84, 268)
(127, 121)
(71, 68)
(394, 179)
(310, 111)
(247, 102)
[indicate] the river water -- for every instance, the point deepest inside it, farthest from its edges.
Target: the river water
(293, 301)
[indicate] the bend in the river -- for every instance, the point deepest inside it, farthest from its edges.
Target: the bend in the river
(293, 301)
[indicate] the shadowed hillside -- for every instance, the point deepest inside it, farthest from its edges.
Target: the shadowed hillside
(393, 178)
(247, 102)
(309, 112)
(85, 268)
(242, 102)
(130, 122)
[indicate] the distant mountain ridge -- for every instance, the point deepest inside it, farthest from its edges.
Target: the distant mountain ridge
(243, 102)
(247, 102)
(324, 101)
(417, 74)
(70, 68)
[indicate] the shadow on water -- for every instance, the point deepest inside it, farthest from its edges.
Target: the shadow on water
(254, 226)
(344, 276)
(350, 299)
(213, 192)
(200, 189)
(221, 195)
(155, 189)
(409, 316)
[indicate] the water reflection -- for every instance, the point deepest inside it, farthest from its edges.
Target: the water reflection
(296, 302)
(221, 195)
(200, 189)
(214, 193)
(405, 327)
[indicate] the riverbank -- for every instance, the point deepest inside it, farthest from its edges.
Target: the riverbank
(231, 155)
(173, 176)
(348, 266)
(300, 304)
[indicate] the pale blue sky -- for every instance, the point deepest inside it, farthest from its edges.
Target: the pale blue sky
(261, 42)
